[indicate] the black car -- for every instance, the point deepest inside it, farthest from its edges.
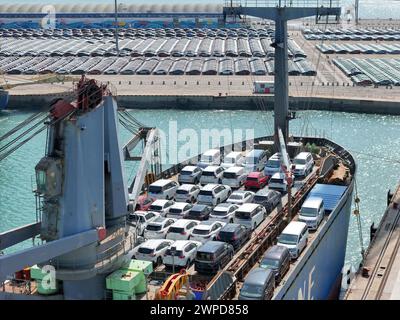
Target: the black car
(277, 258)
(199, 212)
(234, 234)
(270, 199)
(212, 257)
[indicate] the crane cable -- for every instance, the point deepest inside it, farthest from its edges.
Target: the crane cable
(356, 212)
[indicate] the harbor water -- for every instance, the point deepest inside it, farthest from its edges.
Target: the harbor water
(372, 139)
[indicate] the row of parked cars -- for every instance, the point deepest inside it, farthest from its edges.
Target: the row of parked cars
(147, 47)
(147, 66)
(389, 34)
(139, 32)
(218, 212)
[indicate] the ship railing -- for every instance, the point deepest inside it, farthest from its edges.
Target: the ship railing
(17, 286)
(283, 3)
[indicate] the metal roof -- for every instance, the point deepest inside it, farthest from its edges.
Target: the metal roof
(331, 194)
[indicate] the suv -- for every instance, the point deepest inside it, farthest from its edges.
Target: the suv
(303, 164)
(181, 229)
(224, 212)
(279, 182)
(273, 165)
(212, 256)
(212, 174)
(213, 194)
(294, 237)
(158, 228)
(161, 206)
(277, 258)
(206, 231)
(240, 197)
(181, 253)
(140, 219)
(234, 234)
(187, 193)
(199, 212)
(250, 215)
(190, 174)
(179, 210)
(152, 250)
(256, 180)
(163, 189)
(312, 212)
(270, 199)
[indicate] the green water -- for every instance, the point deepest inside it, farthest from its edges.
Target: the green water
(364, 135)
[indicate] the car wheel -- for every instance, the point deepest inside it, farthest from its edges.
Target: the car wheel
(218, 201)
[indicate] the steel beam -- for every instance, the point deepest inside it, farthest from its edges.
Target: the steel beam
(10, 263)
(17, 235)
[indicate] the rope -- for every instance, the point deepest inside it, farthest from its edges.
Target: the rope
(358, 218)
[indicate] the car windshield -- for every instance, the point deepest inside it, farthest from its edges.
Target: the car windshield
(204, 256)
(252, 179)
(251, 291)
(229, 160)
(269, 263)
(308, 212)
(208, 173)
(275, 181)
(236, 197)
(226, 235)
(174, 252)
(200, 231)
(155, 208)
(260, 198)
(136, 218)
(145, 250)
(287, 238)
(273, 163)
(175, 230)
(229, 175)
(299, 161)
(219, 212)
(205, 193)
(186, 173)
(153, 227)
(155, 189)
(181, 191)
(195, 213)
(242, 215)
(206, 158)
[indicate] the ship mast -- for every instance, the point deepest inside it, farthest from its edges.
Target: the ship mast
(281, 11)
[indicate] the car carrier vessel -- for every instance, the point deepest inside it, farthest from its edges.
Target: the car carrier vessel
(83, 207)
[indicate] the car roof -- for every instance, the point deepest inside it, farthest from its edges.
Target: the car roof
(302, 155)
(161, 182)
(183, 222)
(240, 192)
(152, 243)
(160, 202)
(211, 246)
(140, 212)
(258, 276)
(312, 202)
(265, 191)
(275, 252)
(275, 156)
(189, 168)
(255, 174)
(294, 227)
(234, 169)
(179, 205)
(186, 186)
(248, 207)
(224, 205)
(180, 244)
(211, 152)
(209, 186)
(199, 207)
(211, 168)
(230, 227)
(278, 175)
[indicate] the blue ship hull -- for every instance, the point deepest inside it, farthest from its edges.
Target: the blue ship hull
(318, 275)
(3, 100)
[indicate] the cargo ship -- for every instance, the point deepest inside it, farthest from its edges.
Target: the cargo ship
(83, 208)
(3, 98)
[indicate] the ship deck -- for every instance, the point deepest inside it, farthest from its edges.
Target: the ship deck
(379, 277)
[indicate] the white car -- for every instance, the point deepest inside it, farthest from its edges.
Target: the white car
(190, 174)
(152, 250)
(312, 212)
(158, 228)
(294, 237)
(163, 189)
(187, 193)
(303, 164)
(213, 194)
(181, 253)
(250, 215)
(278, 182)
(179, 210)
(273, 165)
(140, 219)
(209, 158)
(161, 206)
(212, 174)
(224, 212)
(240, 197)
(233, 159)
(234, 177)
(181, 229)
(206, 231)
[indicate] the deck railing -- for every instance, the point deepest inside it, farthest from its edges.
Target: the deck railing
(283, 3)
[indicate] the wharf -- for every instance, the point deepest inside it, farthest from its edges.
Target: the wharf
(379, 277)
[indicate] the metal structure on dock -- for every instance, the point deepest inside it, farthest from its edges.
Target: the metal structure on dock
(281, 11)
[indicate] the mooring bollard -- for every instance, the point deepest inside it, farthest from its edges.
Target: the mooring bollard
(242, 83)
(174, 82)
(141, 82)
(219, 83)
(197, 83)
(185, 83)
(119, 82)
(209, 83)
(163, 82)
(130, 82)
(152, 82)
